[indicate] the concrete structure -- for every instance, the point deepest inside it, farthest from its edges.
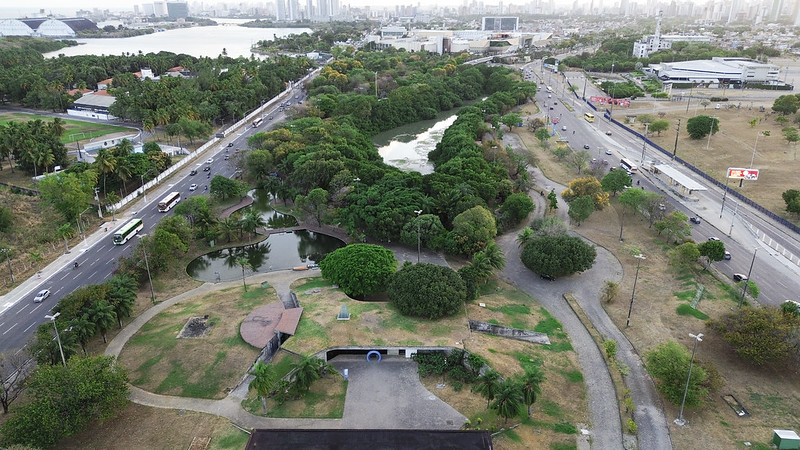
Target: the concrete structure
(455, 41)
(93, 105)
(720, 71)
(657, 41)
(177, 10)
(500, 23)
(678, 182)
(45, 27)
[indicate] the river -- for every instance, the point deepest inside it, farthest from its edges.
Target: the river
(407, 147)
(196, 41)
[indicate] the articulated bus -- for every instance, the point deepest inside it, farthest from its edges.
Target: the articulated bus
(257, 122)
(589, 117)
(169, 201)
(628, 165)
(128, 231)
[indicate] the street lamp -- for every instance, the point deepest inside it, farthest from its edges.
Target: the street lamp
(144, 189)
(80, 219)
(711, 131)
(644, 141)
(677, 131)
(7, 251)
(147, 266)
(747, 281)
(680, 421)
(418, 212)
(640, 257)
(58, 338)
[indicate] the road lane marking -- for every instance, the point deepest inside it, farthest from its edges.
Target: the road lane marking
(24, 308)
(37, 307)
(29, 327)
(9, 329)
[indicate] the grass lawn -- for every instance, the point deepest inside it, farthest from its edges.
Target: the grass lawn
(662, 312)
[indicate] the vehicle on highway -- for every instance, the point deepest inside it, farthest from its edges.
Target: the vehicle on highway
(169, 201)
(563, 128)
(695, 220)
(206, 168)
(551, 108)
(193, 186)
(608, 152)
(628, 165)
(227, 157)
(713, 238)
(193, 172)
(127, 231)
(43, 294)
(727, 255)
(230, 144)
(589, 117)
(258, 122)
(209, 161)
(608, 133)
(586, 146)
(737, 277)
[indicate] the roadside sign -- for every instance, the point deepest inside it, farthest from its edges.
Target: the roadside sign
(743, 174)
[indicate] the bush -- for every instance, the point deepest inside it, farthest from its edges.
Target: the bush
(427, 290)
(558, 256)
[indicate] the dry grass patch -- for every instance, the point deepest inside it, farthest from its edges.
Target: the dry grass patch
(203, 367)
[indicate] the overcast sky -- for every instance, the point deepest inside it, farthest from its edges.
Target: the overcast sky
(128, 5)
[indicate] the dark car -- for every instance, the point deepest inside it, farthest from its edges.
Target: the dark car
(695, 220)
(230, 144)
(206, 168)
(193, 172)
(586, 146)
(737, 277)
(547, 277)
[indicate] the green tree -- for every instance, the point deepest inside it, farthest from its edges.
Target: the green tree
(587, 186)
(580, 209)
(508, 401)
(263, 381)
(516, 208)
(684, 255)
(542, 134)
(69, 193)
(245, 264)
(790, 134)
(193, 209)
(699, 126)
(306, 372)
(359, 269)
(511, 120)
(314, 204)
(761, 336)
(6, 219)
(488, 385)
(531, 386)
(472, 230)
(103, 316)
(558, 256)
(65, 232)
(84, 330)
(668, 364)
(657, 126)
(64, 401)
(251, 221)
(616, 181)
(225, 188)
(525, 236)
(712, 251)
(786, 104)
(13, 375)
(426, 290)
(674, 226)
(105, 163)
(792, 199)
(552, 199)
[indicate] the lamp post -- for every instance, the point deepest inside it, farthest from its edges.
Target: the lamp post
(147, 266)
(725, 194)
(677, 131)
(680, 421)
(711, 131)
(418, 211)
(644, 142)
(7, 251)
(640, 257)
(58, 338)
(144, 190)
(80, 219)
(747, 281)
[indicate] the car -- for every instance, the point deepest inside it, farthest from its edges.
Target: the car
(695, 220)
(608, 152)
(227, 157)
(269, 118)
(608, 133)
(207, 169)
(209, 161)
(43, 294)
(737, 277)
(555, 103)
(586, 146)
(713, 238)
(718, 106)
(230, 144)
(727, 255)
(547, 277)
(564, 128)
(193, 186)
(193, 172)
(549, 95)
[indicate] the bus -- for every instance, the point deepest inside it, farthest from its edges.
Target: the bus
(127, 231)
(169, 201)
(257, 122)
(589, 117)
(628, 165)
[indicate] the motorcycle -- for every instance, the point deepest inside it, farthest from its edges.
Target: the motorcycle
(76, 265)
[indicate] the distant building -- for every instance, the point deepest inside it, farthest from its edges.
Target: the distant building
(177, 10)
(500, 24)
(653, 43)
(45, 27)
(93, 105)
(719, 71)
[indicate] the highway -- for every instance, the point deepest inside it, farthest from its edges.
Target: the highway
(97, 255)
(740, 227)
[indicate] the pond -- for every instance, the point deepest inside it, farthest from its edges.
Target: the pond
(262, 203)
(407, 147)
(280, 251)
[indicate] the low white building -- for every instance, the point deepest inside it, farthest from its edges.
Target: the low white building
(733, 72)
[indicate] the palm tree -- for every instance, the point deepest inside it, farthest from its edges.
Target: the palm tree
(106, 163)
(65, 232)
(263, 382)
(525, 236)
(228, 226)
(306, 372)
(495, 256)
(488, 385)
(251, 221)
(84, 330)
(103, 316)
(531, 386)
(509, 400)
(245, 264)
(121, 300)
(57, 127)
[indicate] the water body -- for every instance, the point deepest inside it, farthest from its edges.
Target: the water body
(407, 147)
(196, 41)
(262, 203)
(280, 251)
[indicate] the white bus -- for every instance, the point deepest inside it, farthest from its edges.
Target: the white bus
(257, 122)
(628, 165)
(127, 231)
(169, 201)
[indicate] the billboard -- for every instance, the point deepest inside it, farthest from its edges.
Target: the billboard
(743, 174)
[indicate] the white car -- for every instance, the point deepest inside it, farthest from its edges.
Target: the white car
(209, 161)
(192, 186)
(608, 152)
(43, 294)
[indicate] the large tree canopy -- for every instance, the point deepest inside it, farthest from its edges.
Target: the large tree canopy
(558, 256)
(359, 269)
(427, 290)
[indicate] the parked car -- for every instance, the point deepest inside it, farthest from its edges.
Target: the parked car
(43, 294)
(193, 172)
(695, 220)
(547, 277)
(737, 277)
(192, 186)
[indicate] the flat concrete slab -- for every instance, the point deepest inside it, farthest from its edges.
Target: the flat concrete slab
(389, 395)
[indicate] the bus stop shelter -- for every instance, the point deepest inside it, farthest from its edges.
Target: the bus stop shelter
(678, 182)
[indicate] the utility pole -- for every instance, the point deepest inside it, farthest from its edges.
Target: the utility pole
(677, 131)
(644, 142)
(640, 257)
(418, 211)
(747, 282)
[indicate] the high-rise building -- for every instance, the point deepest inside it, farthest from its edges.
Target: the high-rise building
(280, 7)
(160, 9)
(310, 9)
(322, 8)
(177, 10)
(294, 10)
(334, 7)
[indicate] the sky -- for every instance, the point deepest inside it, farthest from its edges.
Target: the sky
(128, 5)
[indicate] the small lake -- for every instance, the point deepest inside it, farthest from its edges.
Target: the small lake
(280, 251)
(407, 147)
(262, 203)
